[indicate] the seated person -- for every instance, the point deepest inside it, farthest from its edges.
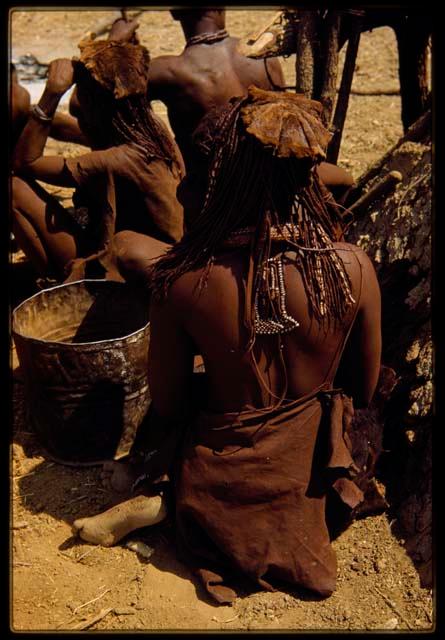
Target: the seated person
(64, 126)
(288, 324)
(126, 185)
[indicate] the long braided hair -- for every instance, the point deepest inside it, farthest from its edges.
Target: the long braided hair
(111, 80)
(249, 184)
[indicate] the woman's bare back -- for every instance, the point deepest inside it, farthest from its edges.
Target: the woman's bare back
(213, 320)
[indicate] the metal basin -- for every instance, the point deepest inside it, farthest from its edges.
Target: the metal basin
(83, 352)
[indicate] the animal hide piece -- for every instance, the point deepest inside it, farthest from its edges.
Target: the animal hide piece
(287, 122)
(119, 67)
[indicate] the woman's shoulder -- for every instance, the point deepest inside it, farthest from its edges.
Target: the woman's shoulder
(361, 267)
(345, 248)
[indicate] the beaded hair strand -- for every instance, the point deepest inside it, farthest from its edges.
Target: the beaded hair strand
(243, 187)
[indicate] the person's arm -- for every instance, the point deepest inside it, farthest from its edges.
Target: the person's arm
(162, 73)
(124, 31)
(20, 101)
(65, 128)
(274, 73)
(28, 159)
(336, 179)
(360, 365)
(170, 363)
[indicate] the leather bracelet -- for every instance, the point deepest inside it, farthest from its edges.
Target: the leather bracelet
(39, 114)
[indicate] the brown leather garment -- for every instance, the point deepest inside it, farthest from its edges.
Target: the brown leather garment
(251, 493)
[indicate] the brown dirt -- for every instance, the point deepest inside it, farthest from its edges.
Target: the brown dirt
(60, 583)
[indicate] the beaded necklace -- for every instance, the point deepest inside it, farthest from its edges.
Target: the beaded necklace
(207, 38)
(271, 297)
(270, 313)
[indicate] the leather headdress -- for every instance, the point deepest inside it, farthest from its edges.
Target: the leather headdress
(288, 123)
(119, 67)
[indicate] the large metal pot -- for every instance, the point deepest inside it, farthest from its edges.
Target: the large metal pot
(83, 352)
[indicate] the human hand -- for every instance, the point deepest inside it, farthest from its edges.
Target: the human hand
(124, 31)
(60, 76)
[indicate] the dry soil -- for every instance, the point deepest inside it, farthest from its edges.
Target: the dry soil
(59, 583)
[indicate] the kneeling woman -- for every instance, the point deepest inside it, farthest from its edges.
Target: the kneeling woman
(287, 320)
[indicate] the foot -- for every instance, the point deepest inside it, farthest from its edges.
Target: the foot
(109, 527)
(118, 476)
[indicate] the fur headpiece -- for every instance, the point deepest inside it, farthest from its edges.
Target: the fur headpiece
(288, 123)
(119, 67)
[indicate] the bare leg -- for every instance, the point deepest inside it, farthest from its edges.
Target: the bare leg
(119, 476)
(109, 527)
(136, 253)
(40, 226)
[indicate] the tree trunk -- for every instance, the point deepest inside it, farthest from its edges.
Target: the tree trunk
(345, 89)
(416, 133)
(306, 56)
(412, 40)
(327, 65)
(396, 234)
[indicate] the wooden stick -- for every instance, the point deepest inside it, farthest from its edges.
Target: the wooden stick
(90, 601)
(394, 608)
(105, 25)
(93, 620)
(378, 190)
(23, 475)
(341, 107)
(87, 553)
(77, 499)
(231, 619)
(253, 37)
(102, 26)
(415, 133)
(375, 92)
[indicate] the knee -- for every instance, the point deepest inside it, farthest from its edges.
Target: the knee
(124, 249)
(19, 190)
(136, 253)
(129, 257)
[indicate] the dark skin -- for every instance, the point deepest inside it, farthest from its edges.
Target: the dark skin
(204, 76)
(39, 221)
(64, 126)
(210, 323)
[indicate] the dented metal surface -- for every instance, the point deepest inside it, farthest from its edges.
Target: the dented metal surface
(83, 351)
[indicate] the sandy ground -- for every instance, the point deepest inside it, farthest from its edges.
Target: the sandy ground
(59, 583)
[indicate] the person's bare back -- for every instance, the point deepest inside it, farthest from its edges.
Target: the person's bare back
(211, 321)
(205, 76)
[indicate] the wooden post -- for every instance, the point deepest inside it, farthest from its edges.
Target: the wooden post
(412, 41)
(327, 64)
(345, 88)
(305, 65)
